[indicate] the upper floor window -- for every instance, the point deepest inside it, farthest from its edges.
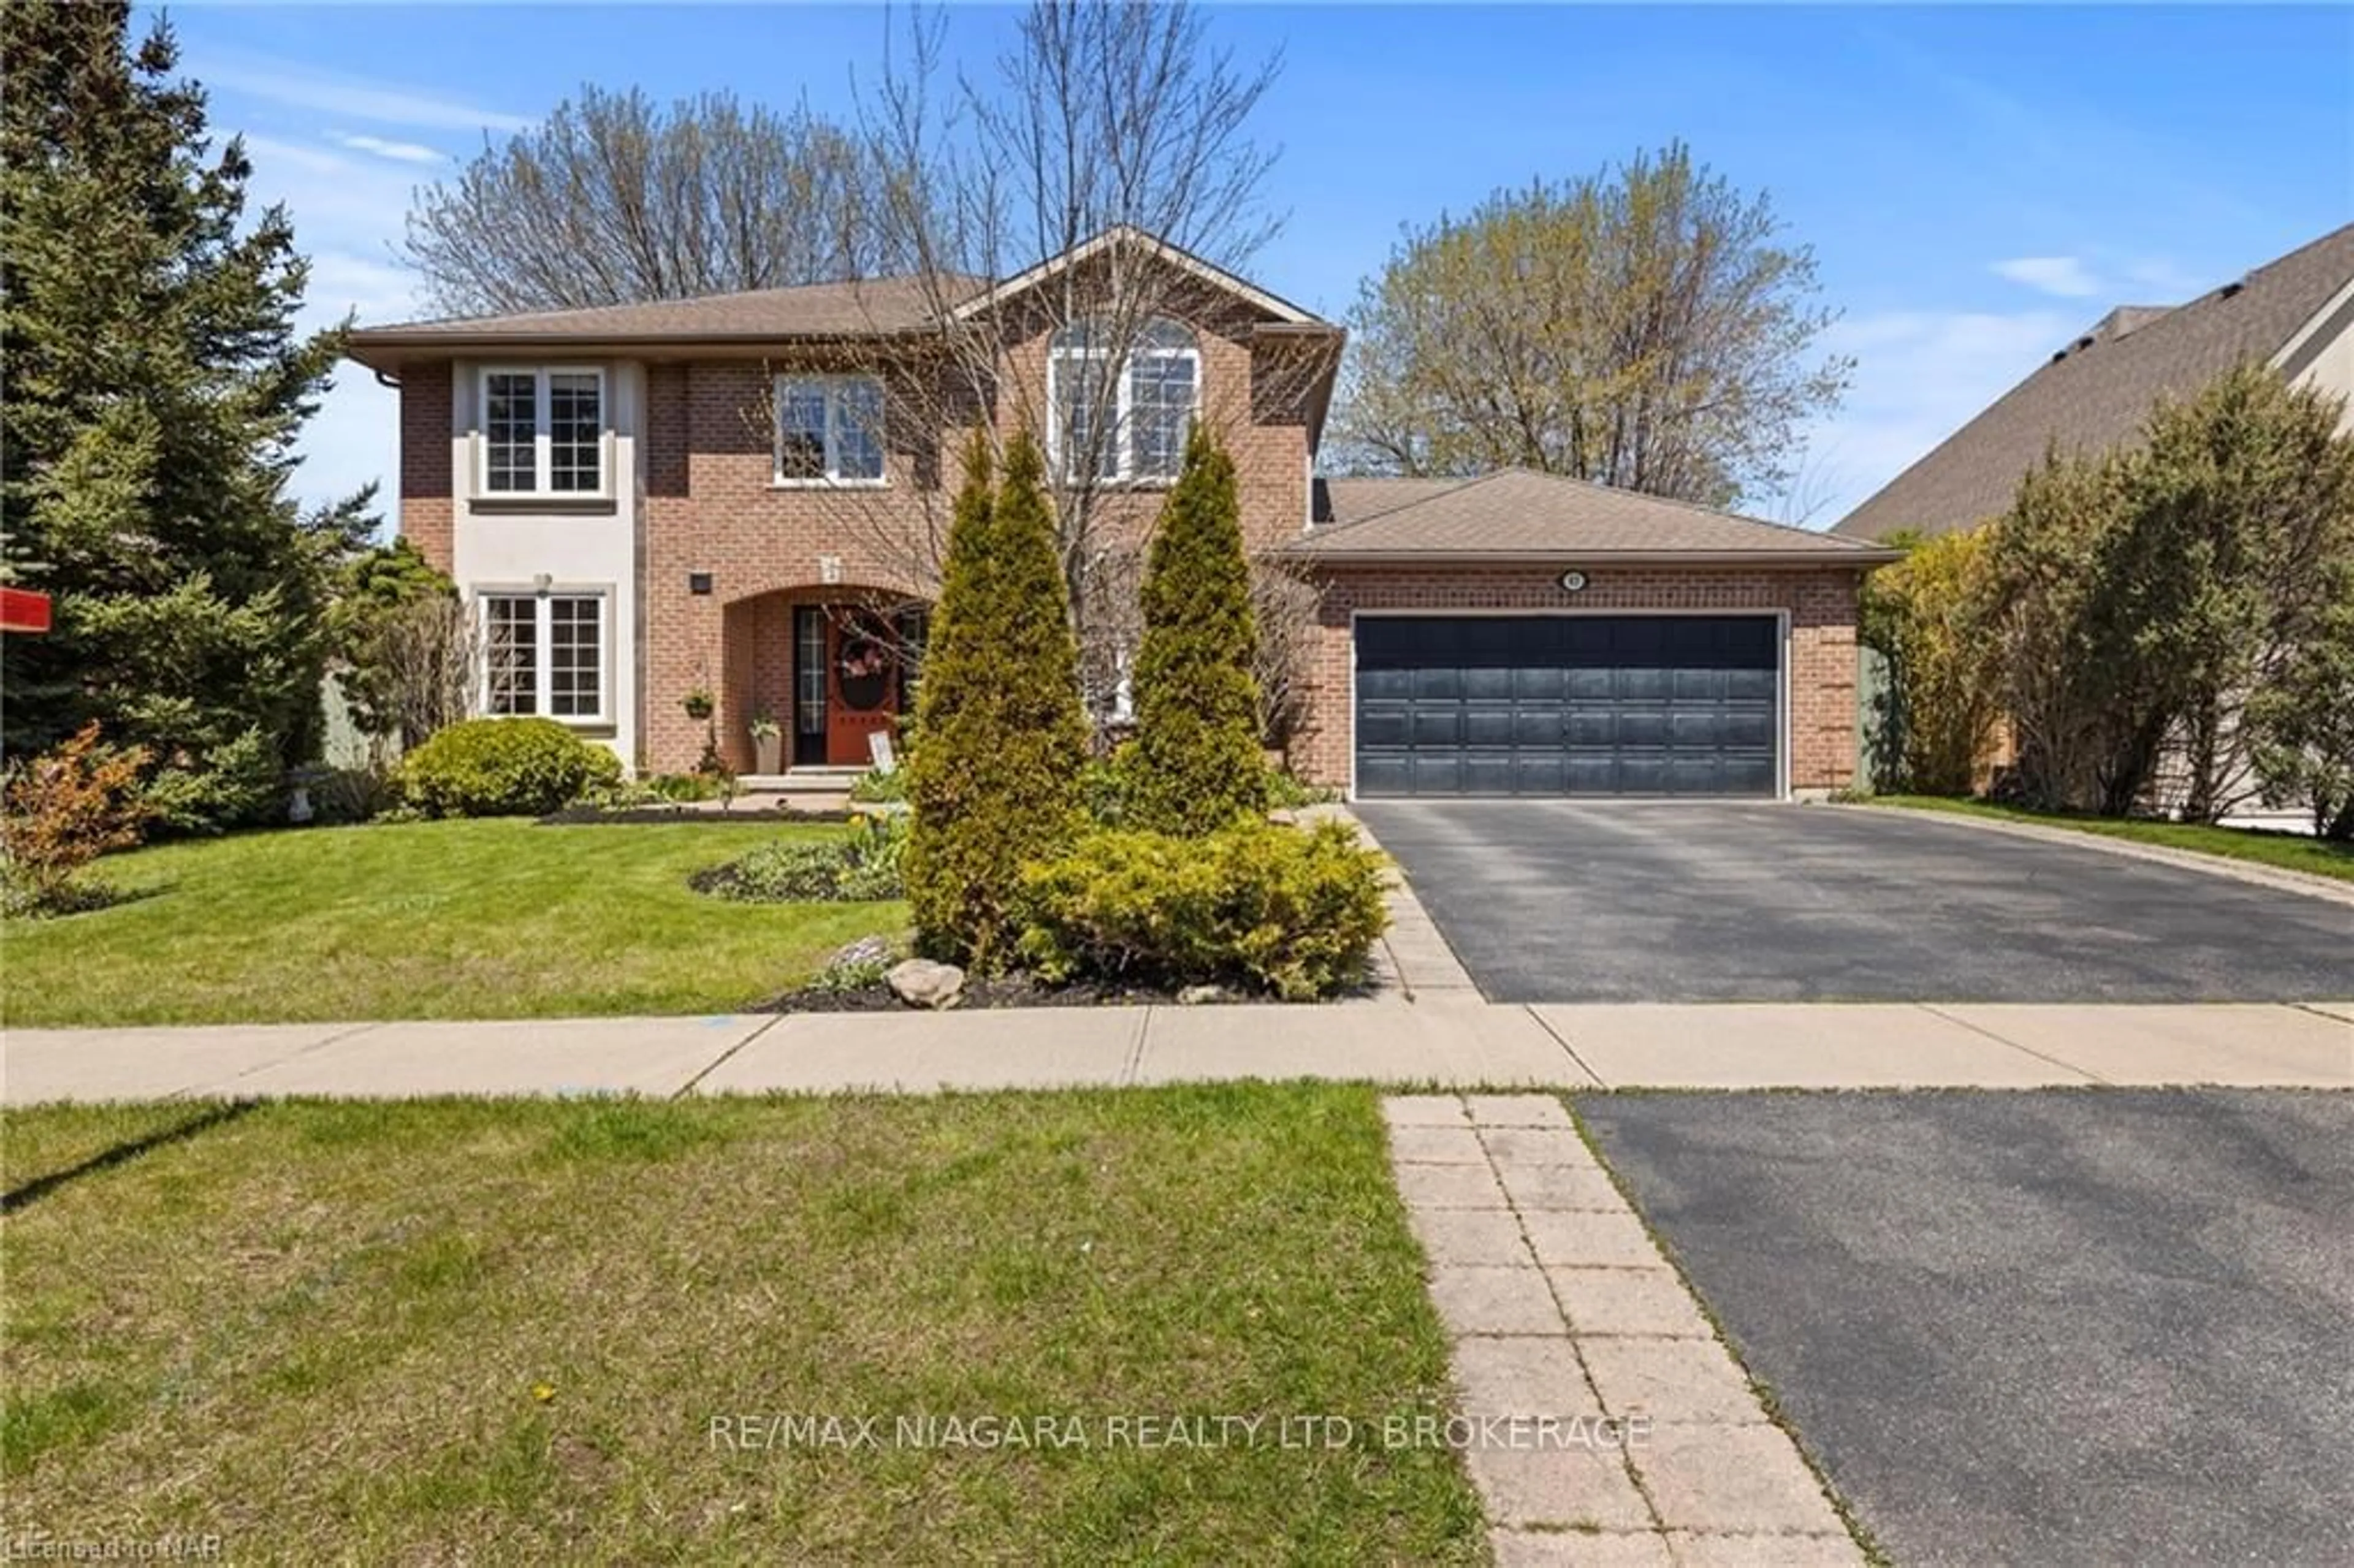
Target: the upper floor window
(1122, 421)
(543, 431)
(828, 429)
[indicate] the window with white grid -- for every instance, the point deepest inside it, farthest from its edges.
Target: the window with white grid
(828, 429)
(1122, 412)
(543, 431)
(543, 655)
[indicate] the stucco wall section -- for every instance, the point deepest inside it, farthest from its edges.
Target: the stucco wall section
(1822, 648)
(501, 544)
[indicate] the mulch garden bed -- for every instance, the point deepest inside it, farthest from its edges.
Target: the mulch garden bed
(1002, 990)
(999, 991)
(577, 816)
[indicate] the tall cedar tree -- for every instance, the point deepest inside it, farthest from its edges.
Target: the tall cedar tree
(1197, 763)
(154, 387)
(994, 775)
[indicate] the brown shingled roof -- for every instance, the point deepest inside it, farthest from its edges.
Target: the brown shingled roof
(2095, 393)
(876, 306)
(1519, 513)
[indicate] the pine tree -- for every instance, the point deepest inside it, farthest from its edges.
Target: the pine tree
(156, 385)
(993, 780)
(1197, 764)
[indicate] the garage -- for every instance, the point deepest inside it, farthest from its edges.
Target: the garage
(1568, 705)
(1532, 635)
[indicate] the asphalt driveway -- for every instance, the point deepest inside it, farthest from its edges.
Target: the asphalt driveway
(2084, 1327)
(1677, 901)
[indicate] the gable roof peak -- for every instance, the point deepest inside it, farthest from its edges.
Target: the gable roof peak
(1124, 234)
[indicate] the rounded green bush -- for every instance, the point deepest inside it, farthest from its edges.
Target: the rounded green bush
(1266, 909)
(503, 767)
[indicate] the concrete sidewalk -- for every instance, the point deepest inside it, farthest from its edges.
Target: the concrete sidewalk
(1447, 1040)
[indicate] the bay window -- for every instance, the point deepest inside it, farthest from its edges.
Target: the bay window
(543, 655)
(543, 431)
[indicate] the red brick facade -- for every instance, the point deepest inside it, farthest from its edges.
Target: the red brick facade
(712, 506)
(1820, 605)
(427, 516)
(699, 493)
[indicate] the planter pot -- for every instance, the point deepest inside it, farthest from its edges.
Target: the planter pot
(768, 754)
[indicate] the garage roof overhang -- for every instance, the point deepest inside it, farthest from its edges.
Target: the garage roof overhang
(1781, 560)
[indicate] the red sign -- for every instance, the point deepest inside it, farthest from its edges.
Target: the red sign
(21, 609)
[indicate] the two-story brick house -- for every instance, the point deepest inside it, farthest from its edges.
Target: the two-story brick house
(744, 495)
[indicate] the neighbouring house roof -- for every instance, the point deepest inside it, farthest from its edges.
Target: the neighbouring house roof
(2095, 393)
(1520, 515)
(874, 308)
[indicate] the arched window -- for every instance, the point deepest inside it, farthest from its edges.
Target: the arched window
(1123, 421)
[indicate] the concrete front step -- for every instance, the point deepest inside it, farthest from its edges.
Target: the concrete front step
(801, 780)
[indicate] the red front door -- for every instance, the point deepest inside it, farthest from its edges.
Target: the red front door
(861, 686)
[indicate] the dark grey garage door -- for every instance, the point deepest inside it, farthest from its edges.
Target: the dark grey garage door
(1570, 704)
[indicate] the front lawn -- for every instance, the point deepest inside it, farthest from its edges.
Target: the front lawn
(512, 1331)
(2290, 851)
(497, 918)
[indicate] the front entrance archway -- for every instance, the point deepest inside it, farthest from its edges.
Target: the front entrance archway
(833, 667)
(848, 666)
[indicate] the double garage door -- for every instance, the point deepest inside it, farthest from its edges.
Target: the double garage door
(1570, 704)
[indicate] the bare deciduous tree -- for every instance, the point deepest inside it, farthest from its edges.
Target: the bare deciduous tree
(1117, 131)
(613, 199)
(1642, 327)
(1285, 603)
(429, 656)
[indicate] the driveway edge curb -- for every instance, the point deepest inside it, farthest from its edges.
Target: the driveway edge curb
(2251, 872)
(1418, 953)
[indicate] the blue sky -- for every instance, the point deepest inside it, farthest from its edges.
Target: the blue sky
(1977, 184)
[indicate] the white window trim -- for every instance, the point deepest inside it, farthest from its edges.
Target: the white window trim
(542, 445)
(831, 479)
(1124, 401)
(543, 649)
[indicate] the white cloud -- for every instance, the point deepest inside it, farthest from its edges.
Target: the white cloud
(376, 292)
(343, 203)
(2173, 283)
(2065, 276)
(1919, 377)
(303, 86)
(399, 151)
(265, 151)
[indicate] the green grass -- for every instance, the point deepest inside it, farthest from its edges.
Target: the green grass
(501, 1331)
(2289, 852)
(497, 918)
